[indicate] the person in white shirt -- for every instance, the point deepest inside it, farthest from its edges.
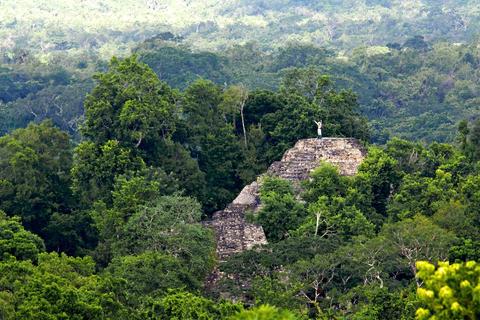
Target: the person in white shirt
(319, 130)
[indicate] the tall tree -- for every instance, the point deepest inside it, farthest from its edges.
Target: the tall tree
(129, 104)
(234, 100)
(35, 167)
(212, 140)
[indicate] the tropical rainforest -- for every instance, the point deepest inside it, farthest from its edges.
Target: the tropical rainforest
(125, 125)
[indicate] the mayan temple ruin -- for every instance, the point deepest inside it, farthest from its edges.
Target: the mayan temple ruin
(234, 234)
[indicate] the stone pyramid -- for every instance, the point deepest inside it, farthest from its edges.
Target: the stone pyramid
(234, 234)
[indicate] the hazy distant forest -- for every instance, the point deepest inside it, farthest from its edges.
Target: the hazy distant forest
(125, 124)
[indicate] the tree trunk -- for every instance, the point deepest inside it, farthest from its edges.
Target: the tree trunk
(242, 106)
(243, 123)
(318, 222)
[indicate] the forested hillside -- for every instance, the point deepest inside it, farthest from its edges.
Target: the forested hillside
(126, 127)
(413, 64)
(111, 227)
(94, 27)
(415, 90)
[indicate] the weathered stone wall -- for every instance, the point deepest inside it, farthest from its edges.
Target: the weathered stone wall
(298, 162)
(234, 234)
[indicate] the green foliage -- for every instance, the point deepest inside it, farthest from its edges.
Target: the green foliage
(373, 302)
(212, 140)
(129, 104)
(418, 239)
(316, 277)
(35, 164)
(342, 247)
(261, 263)
(289, 116)
(137, 271)
(61, 104)
(470, 139)
(324, 181)
(72, 233)
(337, 109)
(449, 292)
(416, 87)
(264, 312)
(331, 217)
(471, 192)
(271, 184)
(129, 195)
(179, 66)
(171, 225)
(96, 167)
(274, 290)
(16, 241)
(183, 305)
(280, 211)
(58, 287)
(410, 156)
(183, 172)
(34, 178)
(165, 225)
(468, 250)
(417, 93)
(333, 205)
(453, 216)
(364, 262)
(340, 24)
(381, 173)
(422, 195)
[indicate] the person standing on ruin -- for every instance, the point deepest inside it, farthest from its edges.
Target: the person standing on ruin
(319, 130)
